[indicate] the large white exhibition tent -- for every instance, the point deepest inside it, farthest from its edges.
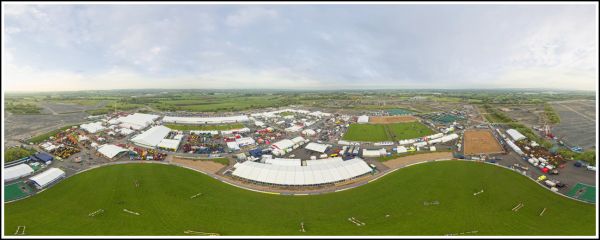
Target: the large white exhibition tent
(92, 127)
(330, 172)
(206, 120)
(16, 172)
(317, 147)
(363, 119)
(110, 150)
(515, 135)
(48, 177)
(171, 144)
(151, 137)
(137, 121)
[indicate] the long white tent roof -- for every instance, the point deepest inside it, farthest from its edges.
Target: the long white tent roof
(515, 135)
(283, 144)
(324, 161)
(110, 150)
(302, 175)
(169, 143)
(137, 120)
(47, 177)
(16, 172)
(152, 136)
(205, 120)
(317, 147)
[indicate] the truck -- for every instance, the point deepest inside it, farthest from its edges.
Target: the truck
(550, 183)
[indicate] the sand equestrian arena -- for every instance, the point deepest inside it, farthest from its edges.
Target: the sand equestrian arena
(481, 142)
(392, 119)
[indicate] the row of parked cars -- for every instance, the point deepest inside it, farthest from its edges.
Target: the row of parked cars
(579, 163)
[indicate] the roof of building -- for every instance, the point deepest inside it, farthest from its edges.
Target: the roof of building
(363, 119)
(47, 177)
(284, 161)
(283, 144)
(152, 136)
(137, 120)
(205, 120)
(317, 147)
(110, 150)
(43, 157)
(332, 171)
(17, 171)
(169, 143)
(92, 127)
(515, 135)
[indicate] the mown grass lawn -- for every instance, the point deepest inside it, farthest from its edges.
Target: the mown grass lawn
(366, 133)
(164, 202)
(386, 132)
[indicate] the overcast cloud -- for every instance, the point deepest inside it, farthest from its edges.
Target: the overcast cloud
(76, 47)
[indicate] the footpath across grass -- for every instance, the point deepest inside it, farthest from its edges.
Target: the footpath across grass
(401, 203)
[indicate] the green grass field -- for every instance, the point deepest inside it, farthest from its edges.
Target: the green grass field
(386, 132)
(204, 127)
(164, 202)
(366, 133)
(409, 130)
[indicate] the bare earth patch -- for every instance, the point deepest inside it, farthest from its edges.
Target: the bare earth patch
(481, 142)
(403, 161)
(201, 165)
(392, 119)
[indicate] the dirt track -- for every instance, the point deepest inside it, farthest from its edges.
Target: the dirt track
(204, 166)
(403, 161)
(392, 119)
(481, 142)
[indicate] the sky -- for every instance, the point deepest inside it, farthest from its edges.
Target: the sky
(97, 47)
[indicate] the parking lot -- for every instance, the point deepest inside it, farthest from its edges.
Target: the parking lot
(578, 123)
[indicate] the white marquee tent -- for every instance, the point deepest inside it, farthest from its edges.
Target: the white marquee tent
(110, 150)
(16, 172)
(92, 127)
(515, 135)
(137, 121)
(48, 177)
(151, 137)
(317, 147)
(302, 175)
(206, 120)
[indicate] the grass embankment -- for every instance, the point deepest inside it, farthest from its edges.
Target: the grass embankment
(183, 127)
(550, 114)
(16, 153)
(43, 137)
(393, 205)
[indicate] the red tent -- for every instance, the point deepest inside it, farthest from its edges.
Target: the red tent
(545, 170)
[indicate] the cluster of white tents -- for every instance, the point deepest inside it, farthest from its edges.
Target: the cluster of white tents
(317, 147)
(92, 127)
(330, 171)
(240, 142)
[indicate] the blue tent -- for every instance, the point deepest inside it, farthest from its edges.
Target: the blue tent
(43, 157)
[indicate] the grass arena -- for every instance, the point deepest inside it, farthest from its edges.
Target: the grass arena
(437, 198)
